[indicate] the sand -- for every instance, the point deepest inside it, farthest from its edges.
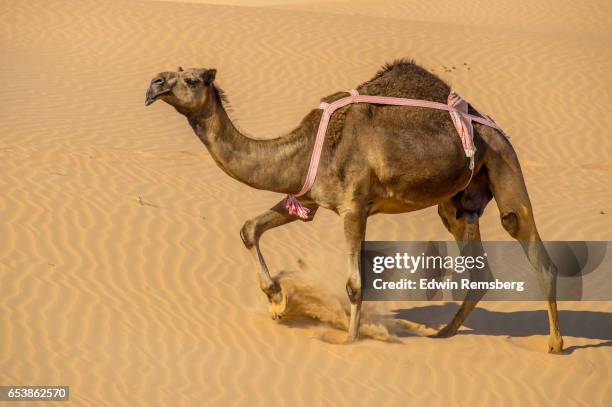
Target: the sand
(122, 273)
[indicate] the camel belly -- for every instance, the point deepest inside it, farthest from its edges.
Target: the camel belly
(417, 190)
(391, 206)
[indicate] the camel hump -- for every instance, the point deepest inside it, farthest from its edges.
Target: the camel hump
(406, 79)
(402, 78)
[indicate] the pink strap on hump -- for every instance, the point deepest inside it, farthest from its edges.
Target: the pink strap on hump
(456, 106)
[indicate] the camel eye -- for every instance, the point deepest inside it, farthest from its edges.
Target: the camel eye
(191, 82)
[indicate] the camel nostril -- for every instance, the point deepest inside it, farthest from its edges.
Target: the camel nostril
(158, 81)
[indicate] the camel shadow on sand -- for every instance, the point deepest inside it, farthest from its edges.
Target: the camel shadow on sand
(596, 325)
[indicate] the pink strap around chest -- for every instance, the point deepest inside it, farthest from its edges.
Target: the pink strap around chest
(456, 106)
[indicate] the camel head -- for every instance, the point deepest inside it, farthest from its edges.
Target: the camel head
(187, 90)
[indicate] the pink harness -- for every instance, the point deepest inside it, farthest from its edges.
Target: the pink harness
(457, 107)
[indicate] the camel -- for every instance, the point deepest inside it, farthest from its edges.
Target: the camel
(376, 159)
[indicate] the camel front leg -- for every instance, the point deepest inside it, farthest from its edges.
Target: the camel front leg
(354, 233)
(250, 233)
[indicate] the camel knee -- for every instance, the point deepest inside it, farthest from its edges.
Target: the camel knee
(353, 289)
(249, 234)
(510, 221)
(519, 225)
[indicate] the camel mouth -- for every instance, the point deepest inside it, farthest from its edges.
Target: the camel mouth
(152, 97)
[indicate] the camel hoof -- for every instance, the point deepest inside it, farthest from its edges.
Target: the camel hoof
(555, 346)
(277, 305)
(351, 337)
(445, 332)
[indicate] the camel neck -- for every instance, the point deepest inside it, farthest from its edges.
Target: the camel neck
(277, 165)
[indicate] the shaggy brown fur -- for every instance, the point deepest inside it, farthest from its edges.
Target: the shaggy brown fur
(376, 159)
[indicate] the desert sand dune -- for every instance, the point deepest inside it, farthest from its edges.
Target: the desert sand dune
(122, 273)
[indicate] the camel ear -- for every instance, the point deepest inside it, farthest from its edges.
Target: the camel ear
(208, 76)
(180, 69)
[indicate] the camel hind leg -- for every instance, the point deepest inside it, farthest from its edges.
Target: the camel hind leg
(460, 216)
(508, 188)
